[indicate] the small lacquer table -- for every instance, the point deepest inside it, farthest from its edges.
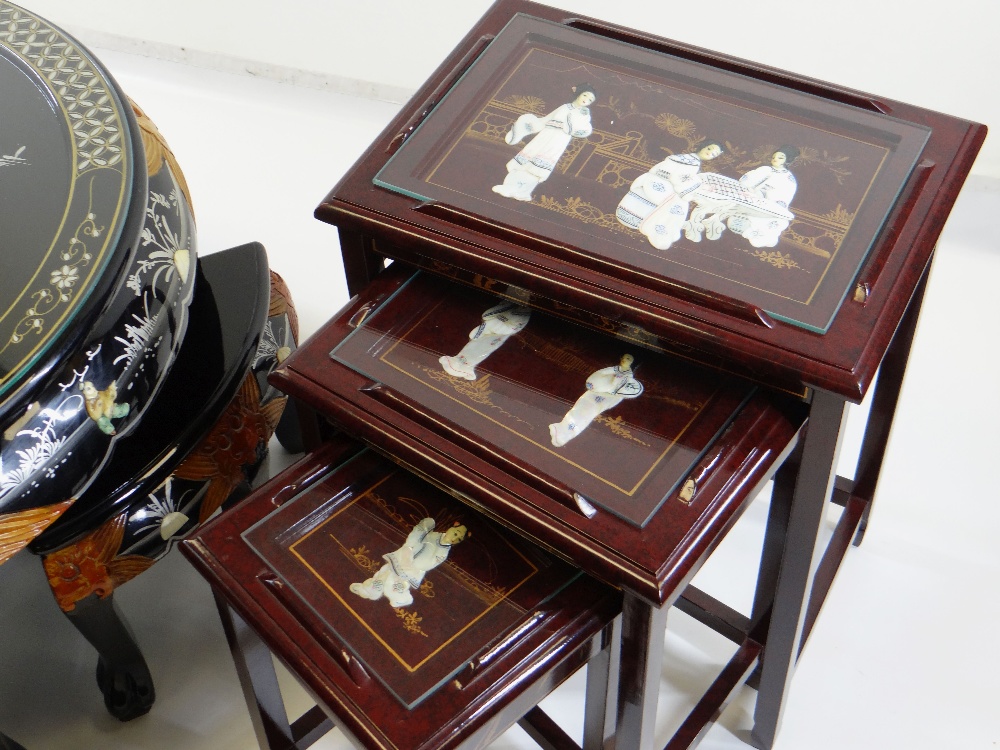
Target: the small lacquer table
(320, 567)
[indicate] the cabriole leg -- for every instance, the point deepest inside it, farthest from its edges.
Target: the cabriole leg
(122, 674)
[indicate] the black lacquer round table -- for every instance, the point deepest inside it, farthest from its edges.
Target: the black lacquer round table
(98, 258)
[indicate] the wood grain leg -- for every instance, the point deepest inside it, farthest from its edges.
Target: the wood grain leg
(361, 262)
(643, 628)
(813, 487)
(600, 705)
(775, 535)
(309, 424)
(289, 429)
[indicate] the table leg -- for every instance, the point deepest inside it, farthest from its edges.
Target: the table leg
(775, 534)
(884, 401)
(258, 680)
(122, 673)
(600, 707)
(361, 262)
(643, 629)
(312, 427)
(813, 486)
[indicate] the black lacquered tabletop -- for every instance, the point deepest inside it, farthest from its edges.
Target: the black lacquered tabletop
(66, 178)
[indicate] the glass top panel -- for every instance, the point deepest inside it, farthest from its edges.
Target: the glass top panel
(629, 160)
(605, 421)
(411, 581)
(65, 180)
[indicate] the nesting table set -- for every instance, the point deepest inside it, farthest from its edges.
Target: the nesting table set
(633, 282)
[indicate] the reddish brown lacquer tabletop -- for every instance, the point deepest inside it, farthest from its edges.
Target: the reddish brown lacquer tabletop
(691, 207)
(815, 305)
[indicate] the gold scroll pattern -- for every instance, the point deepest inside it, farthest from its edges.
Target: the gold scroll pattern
(98, 134)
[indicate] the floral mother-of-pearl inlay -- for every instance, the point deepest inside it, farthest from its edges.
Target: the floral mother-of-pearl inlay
(91, 389)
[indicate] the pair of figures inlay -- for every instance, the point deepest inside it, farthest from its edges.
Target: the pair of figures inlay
(605, 388)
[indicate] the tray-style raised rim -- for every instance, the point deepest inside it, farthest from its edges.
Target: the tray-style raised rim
(844, 360)
(418, 168)
(471, 601)
(517, 403)
(364, 706)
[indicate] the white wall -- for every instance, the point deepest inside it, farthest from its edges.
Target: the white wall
(941, 56)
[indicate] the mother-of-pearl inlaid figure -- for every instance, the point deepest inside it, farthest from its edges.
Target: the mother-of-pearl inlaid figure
(754, 207)
(500, 322)
(772, 183)
(668, 184)
(606, 388)
(405, 568)
(537, 160)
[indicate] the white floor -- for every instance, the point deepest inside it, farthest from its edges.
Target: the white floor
(904, 655)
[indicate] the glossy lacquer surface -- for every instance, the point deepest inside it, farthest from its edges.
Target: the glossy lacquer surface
(424, 193)
(415, 583)
(103, 309)
(66, 173)
(227, 316)
(491, 439)
(667, 169)
(512, 667)
(547, 394)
